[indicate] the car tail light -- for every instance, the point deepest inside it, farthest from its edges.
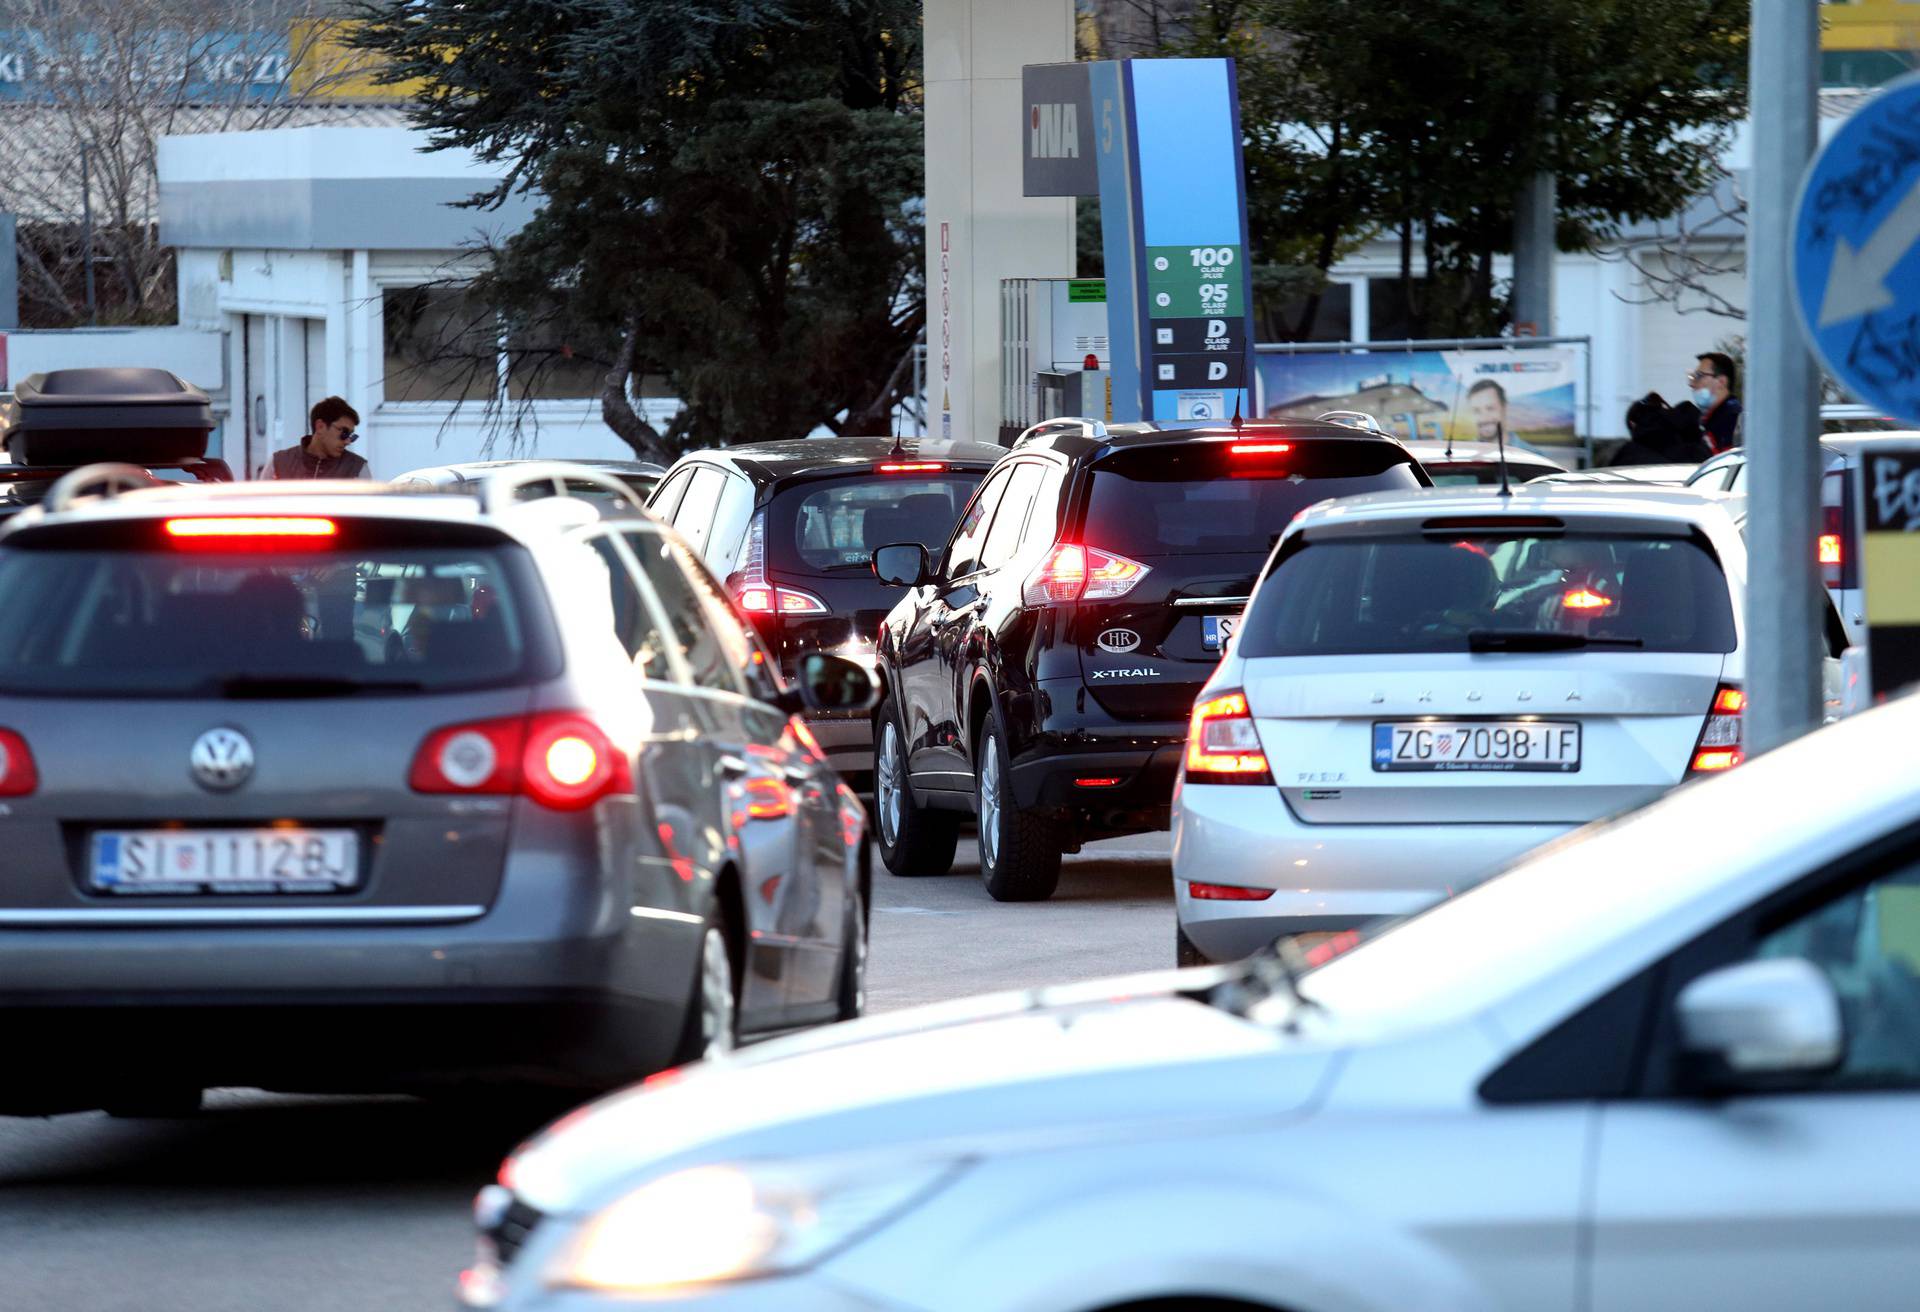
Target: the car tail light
(751, 590)
(1075, 573)
(1097, 781)
(1260, 448)
(18, 777)
(1720, 745)
(1832, 546)
(562, 760)
(1223, 746)
(225, 532)
(911, 467)
(1227, 892)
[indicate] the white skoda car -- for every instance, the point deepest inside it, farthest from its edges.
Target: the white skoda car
(1670, 1064)
(1426, 685)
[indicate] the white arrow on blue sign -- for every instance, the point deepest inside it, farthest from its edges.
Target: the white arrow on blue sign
(1856, 271)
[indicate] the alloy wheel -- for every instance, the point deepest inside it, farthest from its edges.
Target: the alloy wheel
(990, 803)
(716, 995)
(887, 784)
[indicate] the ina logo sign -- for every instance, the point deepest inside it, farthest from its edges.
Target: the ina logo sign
(1055, 131)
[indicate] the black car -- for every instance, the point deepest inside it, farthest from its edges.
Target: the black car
(791, 528)
(1041, 671)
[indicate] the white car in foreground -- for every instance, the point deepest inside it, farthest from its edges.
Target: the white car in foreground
(1670, 1063)
(1426, 685)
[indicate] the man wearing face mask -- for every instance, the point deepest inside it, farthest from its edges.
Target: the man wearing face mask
(1713, 384)
(323, 452)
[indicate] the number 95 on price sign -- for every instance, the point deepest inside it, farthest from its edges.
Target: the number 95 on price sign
(1184, 281)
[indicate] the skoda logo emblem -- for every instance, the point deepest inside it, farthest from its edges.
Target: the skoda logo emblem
(221, 759)
(1118, 640)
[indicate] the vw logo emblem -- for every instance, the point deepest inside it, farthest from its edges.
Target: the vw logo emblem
(221, 759)
(1118, 640)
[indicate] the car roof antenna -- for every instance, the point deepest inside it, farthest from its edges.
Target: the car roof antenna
(1500, 434)
(1237, 420)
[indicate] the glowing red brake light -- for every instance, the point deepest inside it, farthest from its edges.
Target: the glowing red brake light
(561, 760)
(911, 467)
(1076, 573)
(1720, 746)
(1829, 548)
(18, 775)
(230, 530)
(1223, 747)
(1583, 599)
(1259, 448)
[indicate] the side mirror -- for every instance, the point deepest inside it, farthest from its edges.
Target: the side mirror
(902, 565)
(1760, 1024)
(832, 683)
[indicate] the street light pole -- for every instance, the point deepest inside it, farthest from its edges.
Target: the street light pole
(1784, 618)
(86, 232)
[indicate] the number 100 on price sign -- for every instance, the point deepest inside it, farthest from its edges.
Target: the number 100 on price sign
(1187, 281)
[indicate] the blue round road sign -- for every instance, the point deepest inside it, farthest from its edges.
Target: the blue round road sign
(1856, 252)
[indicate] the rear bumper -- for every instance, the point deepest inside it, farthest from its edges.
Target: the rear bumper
(1323, 877)
(557, 983)
(1073, 783)
(847, 739)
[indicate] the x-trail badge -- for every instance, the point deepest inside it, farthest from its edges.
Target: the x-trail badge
(221, 759)
(1117, 640)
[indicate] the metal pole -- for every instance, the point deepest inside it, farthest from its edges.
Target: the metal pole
(9, 273)
(86, 233)
(1533, 248)
(1782, 421)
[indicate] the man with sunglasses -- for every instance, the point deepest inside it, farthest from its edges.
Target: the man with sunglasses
(323, 452)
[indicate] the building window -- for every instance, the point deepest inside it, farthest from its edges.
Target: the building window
(442, 347)
(438, 346)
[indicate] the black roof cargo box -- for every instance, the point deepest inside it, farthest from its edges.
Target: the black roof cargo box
(77, 416)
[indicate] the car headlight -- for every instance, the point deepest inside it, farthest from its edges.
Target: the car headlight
(710, 1224)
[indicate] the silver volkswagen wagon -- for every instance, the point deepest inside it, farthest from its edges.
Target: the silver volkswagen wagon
(324, 787)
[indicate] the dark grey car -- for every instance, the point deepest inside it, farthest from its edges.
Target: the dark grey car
(320, 787)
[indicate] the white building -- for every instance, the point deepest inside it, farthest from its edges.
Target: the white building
(324, 256)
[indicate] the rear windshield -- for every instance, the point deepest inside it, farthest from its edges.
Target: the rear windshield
(1172, 500)
(1491, 594)
(833, 527)
(172, 623)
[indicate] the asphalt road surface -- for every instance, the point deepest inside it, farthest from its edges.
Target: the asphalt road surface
(291, 1204)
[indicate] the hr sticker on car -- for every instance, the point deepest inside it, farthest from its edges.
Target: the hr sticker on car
(1118, 641)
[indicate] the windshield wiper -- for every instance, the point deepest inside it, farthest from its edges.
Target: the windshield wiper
(1535, 640)
(243, 686)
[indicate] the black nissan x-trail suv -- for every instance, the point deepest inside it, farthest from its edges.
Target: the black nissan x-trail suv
(1040, 671)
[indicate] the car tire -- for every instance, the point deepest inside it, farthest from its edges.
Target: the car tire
(712, 1025)
(853, 960)
(1019, 852)
(913, 840)
(1185, 953)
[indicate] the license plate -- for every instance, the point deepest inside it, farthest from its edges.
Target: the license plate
(1216, 631)
(224, 860)
(1551, 745)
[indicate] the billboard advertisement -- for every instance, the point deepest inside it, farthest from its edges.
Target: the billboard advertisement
(1433, 395)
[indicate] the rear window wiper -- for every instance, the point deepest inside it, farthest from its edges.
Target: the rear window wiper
(1535, 640)
(243, 686)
